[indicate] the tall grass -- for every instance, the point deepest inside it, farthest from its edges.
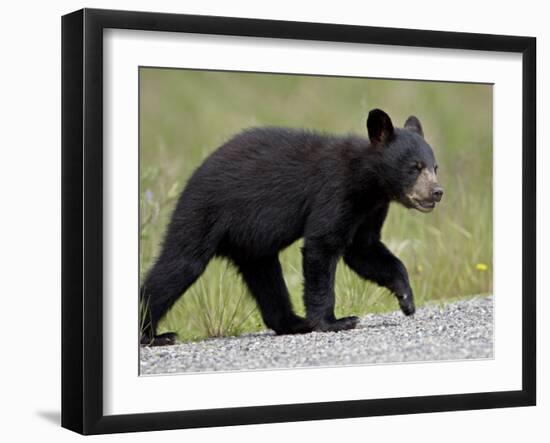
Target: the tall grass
(185, 115)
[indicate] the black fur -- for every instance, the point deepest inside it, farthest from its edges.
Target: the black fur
(267, 187)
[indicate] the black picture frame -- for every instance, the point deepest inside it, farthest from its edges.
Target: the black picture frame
(82, 220)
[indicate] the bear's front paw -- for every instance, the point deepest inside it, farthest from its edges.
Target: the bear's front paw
(406, 303)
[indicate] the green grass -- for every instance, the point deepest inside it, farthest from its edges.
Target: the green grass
(185, 115)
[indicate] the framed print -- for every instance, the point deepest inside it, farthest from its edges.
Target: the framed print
(268, 221)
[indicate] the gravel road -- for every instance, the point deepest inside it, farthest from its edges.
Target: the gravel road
(461, 330)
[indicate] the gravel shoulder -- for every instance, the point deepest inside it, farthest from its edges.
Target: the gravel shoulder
(456, 331)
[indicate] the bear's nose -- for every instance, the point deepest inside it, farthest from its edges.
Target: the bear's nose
(437, 194)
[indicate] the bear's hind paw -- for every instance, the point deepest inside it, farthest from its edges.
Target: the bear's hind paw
(166, 339)
(296, 325)
(342, 324)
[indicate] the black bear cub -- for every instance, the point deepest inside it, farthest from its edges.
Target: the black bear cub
(267, 187)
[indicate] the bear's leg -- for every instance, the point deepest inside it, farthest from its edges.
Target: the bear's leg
(169, 278)
(319, 267)
(375, 262)
(264, 279)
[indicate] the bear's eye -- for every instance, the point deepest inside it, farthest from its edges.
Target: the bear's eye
(435, 169)
(416, 169)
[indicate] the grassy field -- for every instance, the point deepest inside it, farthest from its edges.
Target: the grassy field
(185, 115)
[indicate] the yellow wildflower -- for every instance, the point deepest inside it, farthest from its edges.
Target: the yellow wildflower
(482, 267)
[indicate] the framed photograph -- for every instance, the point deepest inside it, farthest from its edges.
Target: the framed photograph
(269, 221)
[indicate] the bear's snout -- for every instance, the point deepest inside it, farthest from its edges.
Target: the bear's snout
(437, 193)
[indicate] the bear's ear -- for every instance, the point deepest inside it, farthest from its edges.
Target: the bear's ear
(379, 126)
(413, 124)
